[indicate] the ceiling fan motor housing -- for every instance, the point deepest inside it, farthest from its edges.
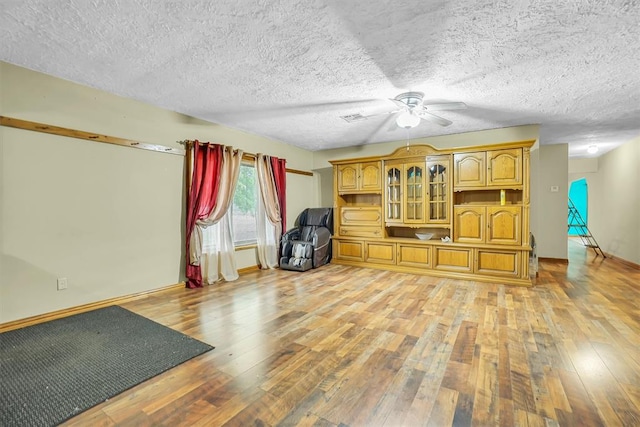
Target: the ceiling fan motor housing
(410, 99)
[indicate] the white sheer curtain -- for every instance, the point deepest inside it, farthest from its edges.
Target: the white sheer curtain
(212, 241)
(218, 252)
(268, 216)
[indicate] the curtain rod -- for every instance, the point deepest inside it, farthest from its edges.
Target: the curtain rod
(249, 156)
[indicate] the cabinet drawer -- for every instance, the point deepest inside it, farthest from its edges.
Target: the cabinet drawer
(361, 215)
(380, 253)
(414, 255)
(453, 259)
(357, 231)
(348, 250)
(498, 263)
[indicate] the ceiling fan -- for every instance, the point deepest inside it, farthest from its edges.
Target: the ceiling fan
(412, 109)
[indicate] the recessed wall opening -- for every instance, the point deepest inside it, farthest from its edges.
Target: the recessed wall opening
(578, 193)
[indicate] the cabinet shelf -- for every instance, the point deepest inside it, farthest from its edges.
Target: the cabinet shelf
(487, 197)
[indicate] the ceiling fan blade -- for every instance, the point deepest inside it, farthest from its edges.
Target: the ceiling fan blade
(433, 118)
(444, 106)
(388, 125)
(399, 103)
(382, 114)
(268, 111)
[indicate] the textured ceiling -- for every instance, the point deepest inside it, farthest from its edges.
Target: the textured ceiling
(289, 69)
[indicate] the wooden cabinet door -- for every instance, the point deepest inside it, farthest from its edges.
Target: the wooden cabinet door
(360, 215)
(469, 169)
(504, 167)
(414, 194)
(360, 221)
(348, 250)
(438, 189)
(452, 259)
(370, 177)
(347, 178)
(414, 255)
(360, 178)
(469, 224)
(498, 263)
(380, 253)
(504, 224)
(393, 194)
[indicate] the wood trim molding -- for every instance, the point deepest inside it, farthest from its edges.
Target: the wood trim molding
(420, 150)
(299, 172)
(87, 136)
(248, 269)
(554, 260)
(623, 261)
(41, 318)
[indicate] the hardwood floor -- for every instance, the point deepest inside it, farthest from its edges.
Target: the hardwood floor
(348, 346)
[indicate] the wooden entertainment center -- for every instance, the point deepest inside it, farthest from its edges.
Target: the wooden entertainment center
(477, 196)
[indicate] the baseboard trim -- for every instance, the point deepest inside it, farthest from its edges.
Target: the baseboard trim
(40, 318)
(248, 269)
(45, 317)
(554, 260)
(623, 261)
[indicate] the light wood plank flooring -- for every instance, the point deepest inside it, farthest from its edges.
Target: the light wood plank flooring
(360, 347)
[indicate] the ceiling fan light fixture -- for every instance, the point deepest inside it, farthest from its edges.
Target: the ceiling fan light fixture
(407, 120)
(592, 149)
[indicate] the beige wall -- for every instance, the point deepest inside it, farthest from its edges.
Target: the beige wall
(552, 205)
(107, 218)
(493, 136)
(326, 186)
(614, 199)
(577, 166)
(81, 210)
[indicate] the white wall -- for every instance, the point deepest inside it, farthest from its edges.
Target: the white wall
(108, 218)
(614, 200)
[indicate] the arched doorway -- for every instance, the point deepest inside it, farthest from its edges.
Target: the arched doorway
(578, 193)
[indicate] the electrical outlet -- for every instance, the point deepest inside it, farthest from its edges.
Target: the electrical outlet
(554, 188)
(62, 283)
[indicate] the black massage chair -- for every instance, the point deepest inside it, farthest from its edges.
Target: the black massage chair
(308, 245)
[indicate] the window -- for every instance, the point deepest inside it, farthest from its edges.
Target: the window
(244, 208)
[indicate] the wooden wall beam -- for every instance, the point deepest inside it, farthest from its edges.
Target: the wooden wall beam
(88, 136)
(73, 133)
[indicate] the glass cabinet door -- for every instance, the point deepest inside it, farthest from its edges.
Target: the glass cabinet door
(438, 182)
(394, 197)
(414, 191)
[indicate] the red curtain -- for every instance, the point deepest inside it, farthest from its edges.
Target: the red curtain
(279, 167)
(202, 197)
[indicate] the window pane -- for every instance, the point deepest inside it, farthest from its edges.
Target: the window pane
(244, 207)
